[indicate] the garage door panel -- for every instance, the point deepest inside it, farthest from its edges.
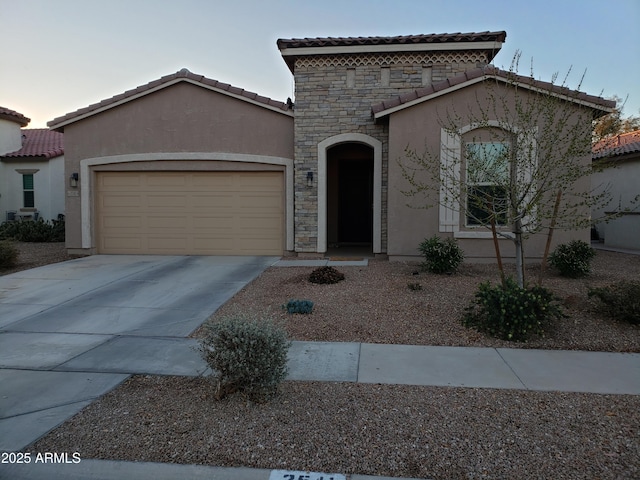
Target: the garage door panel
(202, 213)
(117, 181)
(121, 222)
(167, 222)
(221, 180)
(122, 244)
(168, 182)
(214, 223)
(213, 200)
(122, 201)
(257, 202)
(168, 243)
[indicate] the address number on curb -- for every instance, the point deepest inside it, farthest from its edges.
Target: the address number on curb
(291, 475)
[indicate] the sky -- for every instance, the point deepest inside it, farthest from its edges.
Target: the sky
(61, 55)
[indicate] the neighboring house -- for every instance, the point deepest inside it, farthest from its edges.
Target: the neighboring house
(189, 165)
(32, 182)
(621, 157)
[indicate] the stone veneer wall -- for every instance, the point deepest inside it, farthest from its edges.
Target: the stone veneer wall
(334, 95)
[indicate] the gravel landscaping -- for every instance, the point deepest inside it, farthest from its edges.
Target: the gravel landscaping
(32, 255)
(375, 305)
(420, 432)
(399, 431)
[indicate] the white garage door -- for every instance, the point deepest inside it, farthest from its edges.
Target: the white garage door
(190, 213)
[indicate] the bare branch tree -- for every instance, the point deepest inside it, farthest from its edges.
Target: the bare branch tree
(504, 160)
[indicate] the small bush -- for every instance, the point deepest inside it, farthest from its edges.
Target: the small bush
(573, 259)
(620, 301)
(441, 256)
(326, 275)
(510, 312)
(298, 306)
(415, 287)
(34, 231)
(8, 254)
(247, 355)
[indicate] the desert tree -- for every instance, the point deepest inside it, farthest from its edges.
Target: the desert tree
(518, 161)
(614, 123)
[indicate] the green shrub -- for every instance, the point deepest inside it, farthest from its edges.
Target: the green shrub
(34, 231)
(247, 355)
(8, 230)
(573, 259)
(326, 275)
(8, 254)
(441, 256)
(620, 301)
(298, 306)
(511, 313)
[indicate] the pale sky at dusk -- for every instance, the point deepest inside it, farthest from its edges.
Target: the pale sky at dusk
(61, 55)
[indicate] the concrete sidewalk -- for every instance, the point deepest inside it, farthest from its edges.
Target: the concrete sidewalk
(502, 368)
(31, 413)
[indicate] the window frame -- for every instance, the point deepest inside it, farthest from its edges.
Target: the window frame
(502, 172)
(451, 162)
(28, 193)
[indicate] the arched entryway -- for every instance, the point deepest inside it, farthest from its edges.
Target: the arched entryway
(350, 196)
(363, 159)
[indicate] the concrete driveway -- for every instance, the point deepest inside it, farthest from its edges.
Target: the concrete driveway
(72, 331)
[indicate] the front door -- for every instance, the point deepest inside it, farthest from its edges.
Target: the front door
(350, 195)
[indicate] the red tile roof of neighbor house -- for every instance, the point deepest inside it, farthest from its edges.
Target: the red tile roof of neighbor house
(623, 144)
(13, 116)
(41, 143)
(472, 76)
(182, 75)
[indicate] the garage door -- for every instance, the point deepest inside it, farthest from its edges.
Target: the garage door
(190, 213)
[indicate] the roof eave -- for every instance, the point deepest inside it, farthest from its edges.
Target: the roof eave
(290, 54)
(17, 118)
(594, 106)
(59, 123)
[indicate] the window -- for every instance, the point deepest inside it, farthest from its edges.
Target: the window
(487, 180)
(27, 191)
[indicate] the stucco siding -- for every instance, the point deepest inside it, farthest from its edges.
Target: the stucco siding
(419, 128)
(183, 126)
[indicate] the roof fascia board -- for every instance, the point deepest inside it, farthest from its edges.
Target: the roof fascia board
(391, 48)
(389, 111)
(158, 88)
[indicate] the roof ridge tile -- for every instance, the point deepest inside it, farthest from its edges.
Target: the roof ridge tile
(158, 83)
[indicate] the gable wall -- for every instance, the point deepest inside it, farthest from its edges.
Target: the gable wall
(621, 178)
(327, 105)
(10, 136)
(182, 118)
(419, 128)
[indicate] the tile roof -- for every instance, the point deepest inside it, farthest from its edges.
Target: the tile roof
(182, 75)
(479, 74)
(397, 40)
(491, 42)
(13, 116)
(623, 144)
(39, 142)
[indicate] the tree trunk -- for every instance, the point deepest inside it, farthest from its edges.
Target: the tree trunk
(496, 245)
(517, 240)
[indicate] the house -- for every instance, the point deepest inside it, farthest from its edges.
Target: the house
(620, 156)
(189, 165)
(32, 179)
